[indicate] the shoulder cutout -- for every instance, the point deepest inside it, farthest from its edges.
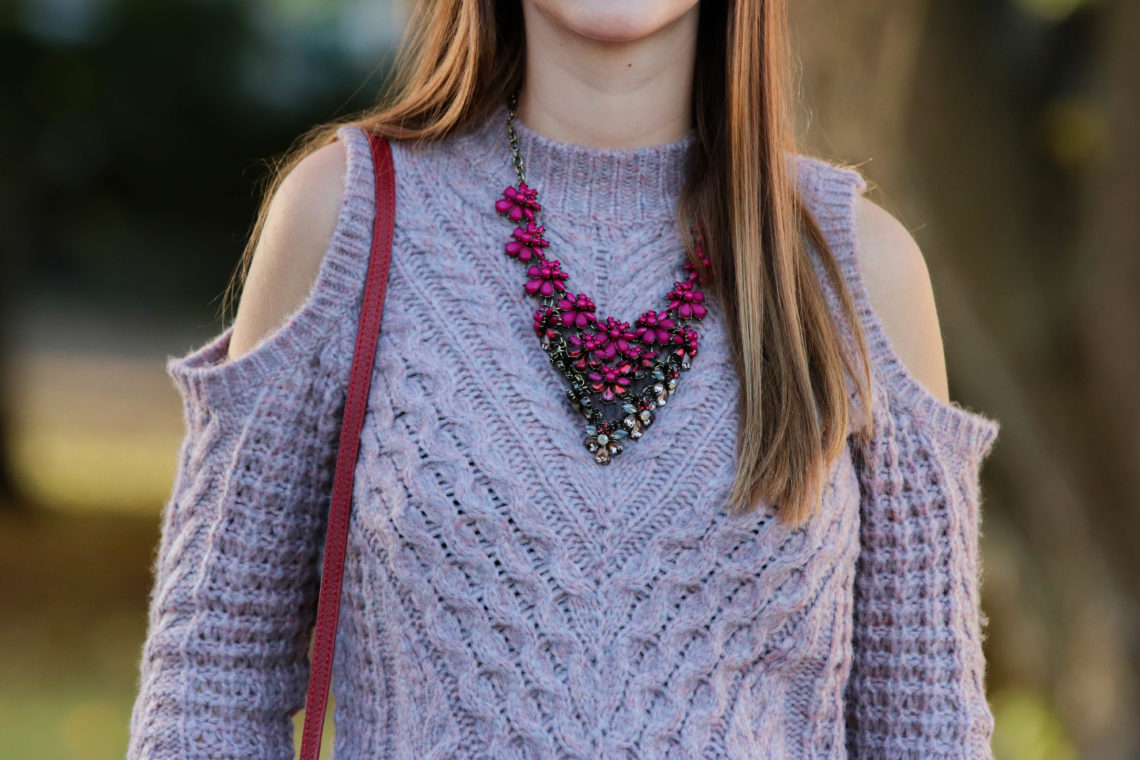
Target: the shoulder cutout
(306, 276)
(300, 222)
(898, 285)
(891, 287)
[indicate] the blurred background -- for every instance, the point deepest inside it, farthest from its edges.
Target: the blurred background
(135, 135)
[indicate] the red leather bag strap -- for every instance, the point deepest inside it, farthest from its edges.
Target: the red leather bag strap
(360, 380)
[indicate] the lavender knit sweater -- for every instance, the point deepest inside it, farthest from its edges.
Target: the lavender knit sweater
(504, 596)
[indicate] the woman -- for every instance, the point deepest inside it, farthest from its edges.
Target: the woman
(779, 557)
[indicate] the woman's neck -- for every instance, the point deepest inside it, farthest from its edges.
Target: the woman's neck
(608, 92)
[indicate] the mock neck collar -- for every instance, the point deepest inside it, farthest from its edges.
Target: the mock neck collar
(581, 181)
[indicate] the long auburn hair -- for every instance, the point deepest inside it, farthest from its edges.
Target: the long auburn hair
(460, 59)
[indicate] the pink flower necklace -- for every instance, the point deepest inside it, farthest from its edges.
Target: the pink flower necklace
(603, 360)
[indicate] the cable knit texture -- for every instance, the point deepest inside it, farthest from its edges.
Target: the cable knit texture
(504, 596)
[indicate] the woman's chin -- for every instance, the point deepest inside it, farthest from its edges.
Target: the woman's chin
(614, 21)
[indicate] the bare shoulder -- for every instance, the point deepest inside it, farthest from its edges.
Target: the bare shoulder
(900, 291)
(299, 226)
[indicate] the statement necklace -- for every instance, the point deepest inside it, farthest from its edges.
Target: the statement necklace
(606, 362)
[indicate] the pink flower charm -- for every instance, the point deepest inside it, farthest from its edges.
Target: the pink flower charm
(518, 202)
(645, 359)
(528, 242)
(688, 265)
(686, 343)
(612, 381)
(686, 301)
(654, 327)
(581, 347)
(577, 310)
(544, 321)
(619, 339)
(545, 278)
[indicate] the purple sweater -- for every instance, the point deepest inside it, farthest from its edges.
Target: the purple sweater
(504, 596)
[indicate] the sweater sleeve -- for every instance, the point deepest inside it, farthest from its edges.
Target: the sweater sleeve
(917, 682)
(236, 576)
